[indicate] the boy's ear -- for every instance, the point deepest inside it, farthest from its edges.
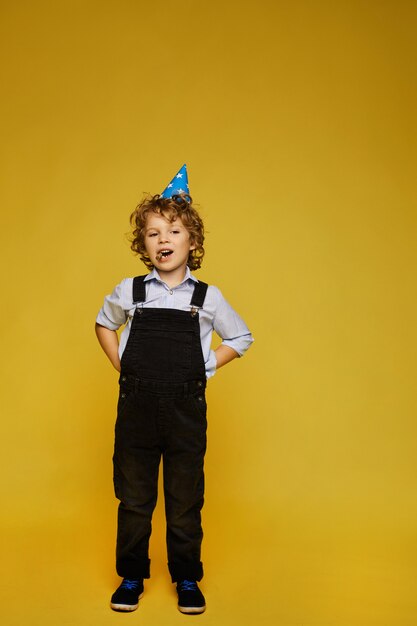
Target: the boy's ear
(192, 244)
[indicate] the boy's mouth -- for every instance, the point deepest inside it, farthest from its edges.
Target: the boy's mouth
(163, 254)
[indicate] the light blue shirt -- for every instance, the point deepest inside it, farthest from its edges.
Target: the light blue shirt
(217, 314)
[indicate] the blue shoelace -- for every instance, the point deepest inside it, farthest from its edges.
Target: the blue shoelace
(130, 584)
(187, 585)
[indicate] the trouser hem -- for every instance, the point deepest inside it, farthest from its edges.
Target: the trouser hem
(134, 570)
(186, 571)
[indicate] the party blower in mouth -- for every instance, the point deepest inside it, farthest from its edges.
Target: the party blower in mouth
(163, 254)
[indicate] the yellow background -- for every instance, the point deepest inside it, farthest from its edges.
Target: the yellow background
(298, 124)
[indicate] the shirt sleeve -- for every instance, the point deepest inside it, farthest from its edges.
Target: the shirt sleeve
(211, 364)
(230, 326)
(114, 312)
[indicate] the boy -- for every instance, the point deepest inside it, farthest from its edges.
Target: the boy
(164, 359)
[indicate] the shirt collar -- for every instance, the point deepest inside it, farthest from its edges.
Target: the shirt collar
(153, 275)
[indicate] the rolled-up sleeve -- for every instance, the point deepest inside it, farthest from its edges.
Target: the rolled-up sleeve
(230, 326)
(113, 313)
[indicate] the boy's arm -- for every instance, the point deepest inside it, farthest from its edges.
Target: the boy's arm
(109, 341)
(235, 335)
(224, 355)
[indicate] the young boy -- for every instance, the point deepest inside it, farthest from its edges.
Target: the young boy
(164, 359)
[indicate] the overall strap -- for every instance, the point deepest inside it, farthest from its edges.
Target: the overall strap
(139, 292)
(139, 289)
(199, 294)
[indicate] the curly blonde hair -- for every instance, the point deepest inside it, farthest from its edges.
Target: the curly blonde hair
(170, 208)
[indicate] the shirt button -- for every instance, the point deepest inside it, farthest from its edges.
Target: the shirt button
(200, 398)
(200, 384)
(123, 378)
(171, 292)
(123, 395)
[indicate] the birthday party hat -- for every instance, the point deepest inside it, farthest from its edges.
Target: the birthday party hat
(179, 184)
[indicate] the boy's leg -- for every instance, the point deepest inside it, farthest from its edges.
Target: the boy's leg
(136, 462)
(137, 491)
(184, 487)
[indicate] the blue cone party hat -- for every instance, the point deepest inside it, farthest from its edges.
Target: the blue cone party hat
(179, 184)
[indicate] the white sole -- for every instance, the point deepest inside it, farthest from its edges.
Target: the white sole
(192, 609)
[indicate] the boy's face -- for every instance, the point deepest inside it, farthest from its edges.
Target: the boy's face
(167, 243)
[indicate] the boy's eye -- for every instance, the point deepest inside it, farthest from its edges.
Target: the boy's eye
(151, 234)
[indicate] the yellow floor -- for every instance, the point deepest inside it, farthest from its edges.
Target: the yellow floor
(291, 573)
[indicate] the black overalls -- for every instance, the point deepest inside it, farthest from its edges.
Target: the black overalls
(161, 410)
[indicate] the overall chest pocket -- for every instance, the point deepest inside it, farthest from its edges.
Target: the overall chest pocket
(164, 354)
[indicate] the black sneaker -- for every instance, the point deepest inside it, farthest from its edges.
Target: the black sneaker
(190, 598)
(126, 597)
